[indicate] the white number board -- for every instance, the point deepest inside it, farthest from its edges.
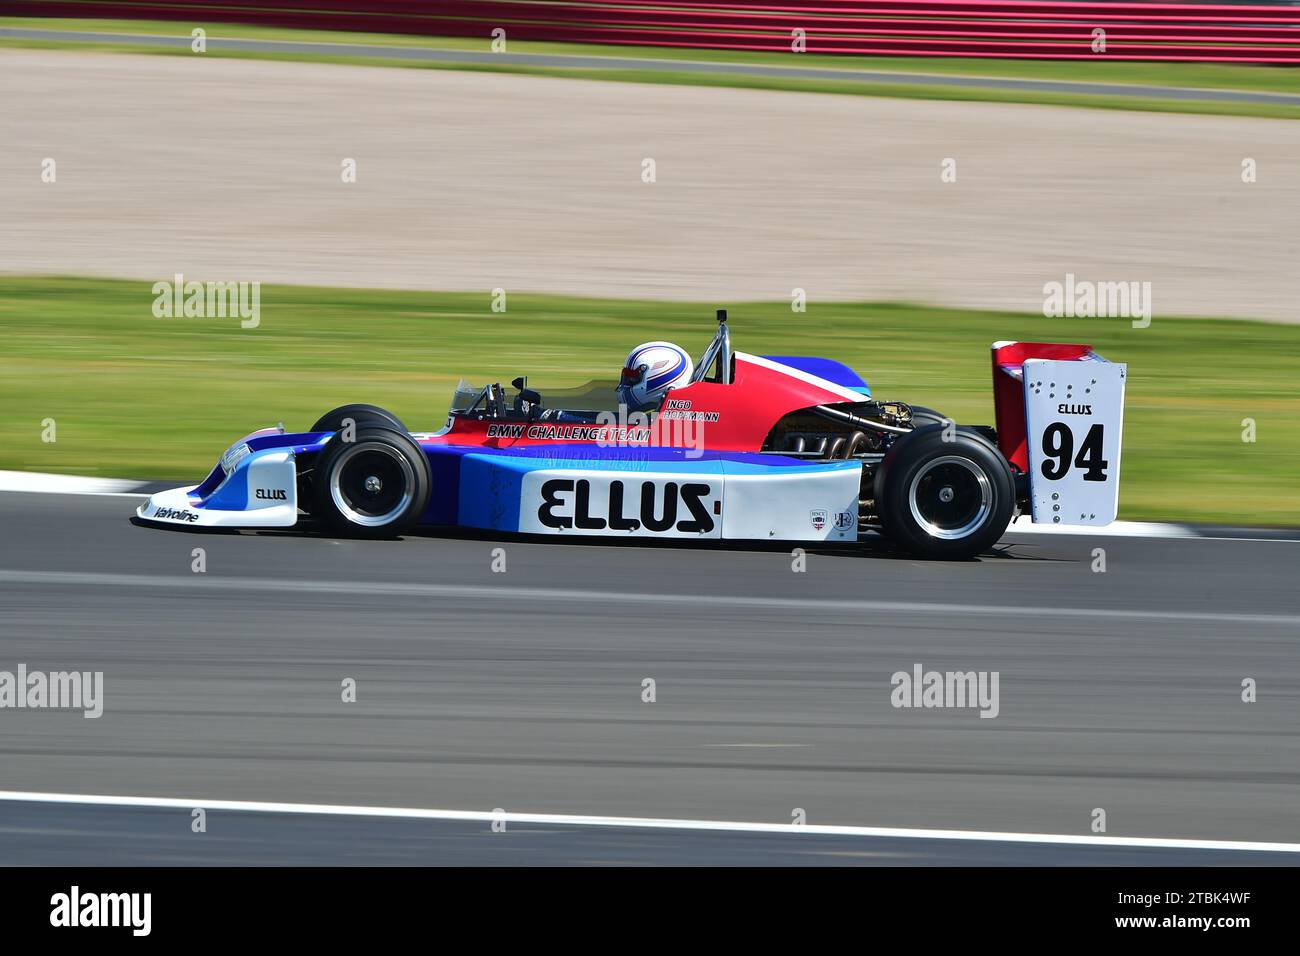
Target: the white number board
(1075, 416)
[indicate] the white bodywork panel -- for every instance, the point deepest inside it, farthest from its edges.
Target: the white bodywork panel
(1074, 411)
(813, 504)
(805, 506)
(259, 480)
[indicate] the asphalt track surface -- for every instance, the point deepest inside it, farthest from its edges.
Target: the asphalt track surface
(59, 835)
(523, 691)
(570, 61)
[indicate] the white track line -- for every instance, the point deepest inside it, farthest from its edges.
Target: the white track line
(649, 823)
(50, 484)
(1118, 529)
(594, 598)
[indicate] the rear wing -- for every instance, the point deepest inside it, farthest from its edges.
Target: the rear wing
(1060, 419)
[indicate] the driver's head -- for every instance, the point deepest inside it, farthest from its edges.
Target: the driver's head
(650, 372)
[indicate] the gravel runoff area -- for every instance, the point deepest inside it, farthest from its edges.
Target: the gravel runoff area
(231, 169)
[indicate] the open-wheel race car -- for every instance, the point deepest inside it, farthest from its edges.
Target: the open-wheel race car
(734, 447)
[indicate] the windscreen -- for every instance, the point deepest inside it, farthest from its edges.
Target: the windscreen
(465, 396)
(595, 396)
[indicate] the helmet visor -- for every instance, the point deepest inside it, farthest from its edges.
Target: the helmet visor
(632, 376)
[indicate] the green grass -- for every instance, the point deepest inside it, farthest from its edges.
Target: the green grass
(137, 396)
(1208, 76)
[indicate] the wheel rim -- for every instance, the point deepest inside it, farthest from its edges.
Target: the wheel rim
(372, 484)
(950, 497)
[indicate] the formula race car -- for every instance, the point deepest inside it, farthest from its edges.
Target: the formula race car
(736, 447)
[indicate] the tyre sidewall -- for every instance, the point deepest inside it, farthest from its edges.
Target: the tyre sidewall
(324, 507)
(909, 455)
(922, 416)
(332, 421)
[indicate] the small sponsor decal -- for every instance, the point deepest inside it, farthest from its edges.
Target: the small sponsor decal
(819, 518)
(844, 520)
(176, 514)
(272, 494)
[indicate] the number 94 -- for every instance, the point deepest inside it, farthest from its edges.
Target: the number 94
(1058, 453)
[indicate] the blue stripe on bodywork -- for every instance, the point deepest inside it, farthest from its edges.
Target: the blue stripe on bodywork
(606, 458)
(233, 493)
(829, 369)
(297, 442)
(490, 488)
(444, 495)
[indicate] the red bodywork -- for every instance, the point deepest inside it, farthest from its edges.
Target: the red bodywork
(1009, 391)
(733, 417)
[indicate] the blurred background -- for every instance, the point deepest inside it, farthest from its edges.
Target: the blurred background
(429, 191)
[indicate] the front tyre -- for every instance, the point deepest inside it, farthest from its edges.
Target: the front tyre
(358, 414)
(376, 486)
(949, 500)
(337, 419)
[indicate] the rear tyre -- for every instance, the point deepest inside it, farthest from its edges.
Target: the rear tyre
(333, 421)
(949, 500)
(376, 486)
(922, 416)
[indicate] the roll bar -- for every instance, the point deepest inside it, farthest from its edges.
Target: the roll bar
(719, 350)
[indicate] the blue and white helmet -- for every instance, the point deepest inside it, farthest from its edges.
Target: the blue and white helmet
(650, 372)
